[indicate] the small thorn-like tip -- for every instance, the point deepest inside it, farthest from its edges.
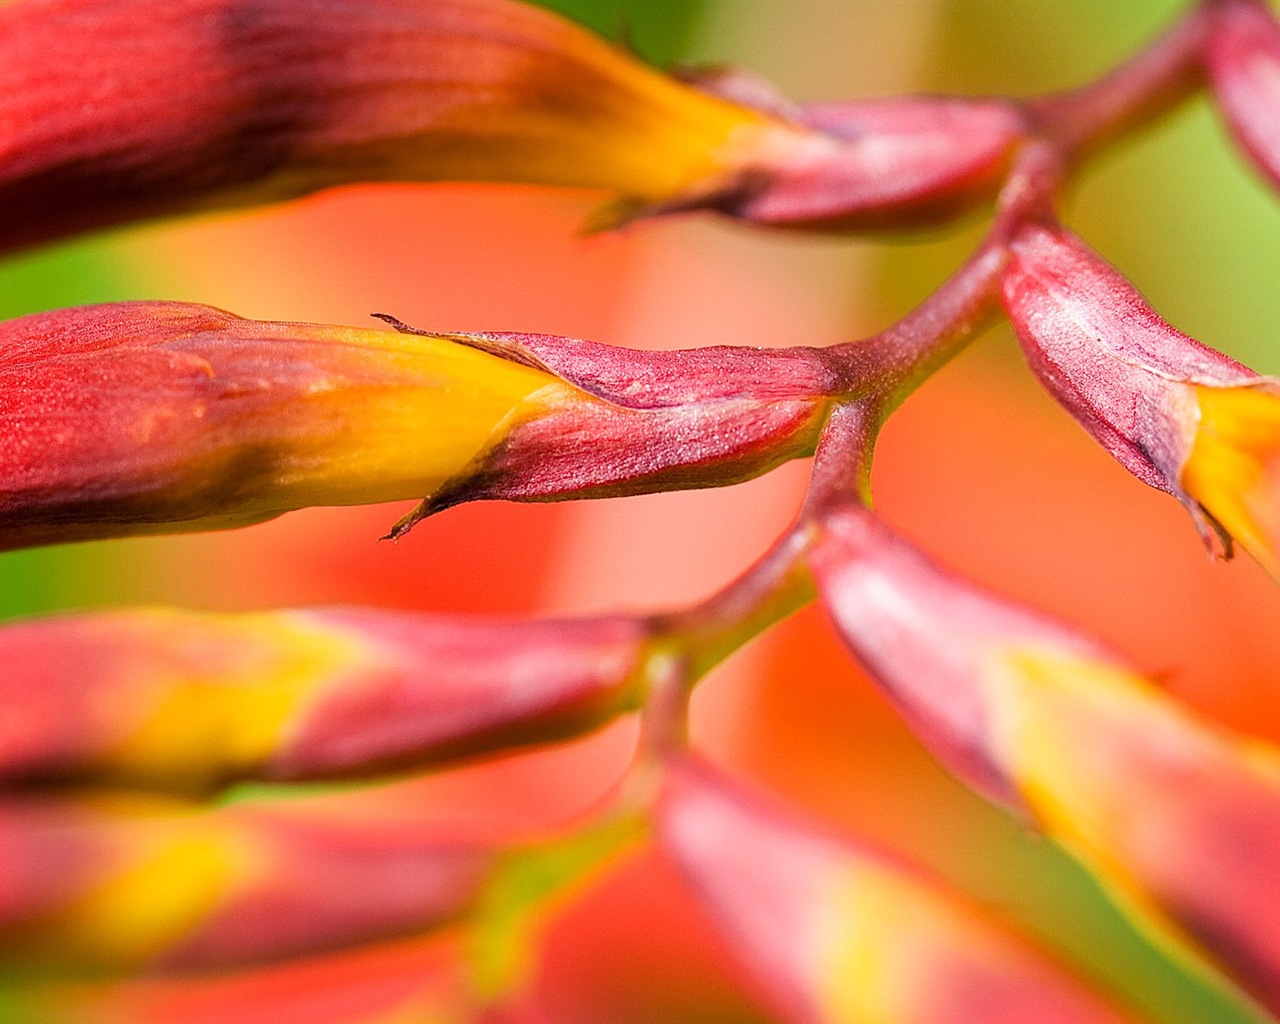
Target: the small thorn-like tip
(397, 323)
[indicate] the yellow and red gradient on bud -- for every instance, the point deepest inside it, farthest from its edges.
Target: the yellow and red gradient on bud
(831, 931)
(1180, 818)
(117, 881)
(1233, 469)
(153, 417)
(202, 104)
(206, 103)
(187, 701)
(1178, 415)
(140, 417)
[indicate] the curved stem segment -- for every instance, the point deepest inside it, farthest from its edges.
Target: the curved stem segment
(1138, 91)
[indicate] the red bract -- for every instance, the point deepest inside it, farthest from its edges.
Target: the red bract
(1126, 375)
(211, 103)
(119, 881)
(662, 420)
(833, 932)
(192, 104)
(1181, 818)
(888, 163)
(1243, 60)
(154, 417)
(188, 701)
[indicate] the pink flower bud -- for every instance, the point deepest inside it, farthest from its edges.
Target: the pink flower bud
(187, 701)
(194, 104)
(189, 105)
(123, 881)
(660, 420)
(830, 931)
(889, 163)
(1242, 57)
(1148, 393)
(152, 417)
(1180, 818)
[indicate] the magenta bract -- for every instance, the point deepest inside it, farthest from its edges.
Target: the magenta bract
(1177, 815)
(1126, 375)
(1242, 57)
(928, 638)
(830, 931)
(648, 421)
(188, 701)
(161, 417)
(118, 882)
(888, 163)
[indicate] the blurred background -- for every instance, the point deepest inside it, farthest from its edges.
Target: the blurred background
(979, 467)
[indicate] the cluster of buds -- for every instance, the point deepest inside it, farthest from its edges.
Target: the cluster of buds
(120, 731)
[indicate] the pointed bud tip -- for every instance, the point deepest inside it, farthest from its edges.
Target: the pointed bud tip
(1233, 469)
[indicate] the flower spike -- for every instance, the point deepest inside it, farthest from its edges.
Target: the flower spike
(831, 931)
(161, 417)
(1177, 414)
(187, 701)
(1180, 818)
(204, 104)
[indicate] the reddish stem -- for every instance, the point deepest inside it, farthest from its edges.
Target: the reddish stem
(1141, 89)
(770, 590)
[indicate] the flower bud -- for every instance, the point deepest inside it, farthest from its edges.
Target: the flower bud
(648, 421)
(1242, 57)
(187, 701)
(413, 979)
(1178, 415)
(145, 417)
(119, 881)
(1180, 818)
(830, 931)
(196, 104)
(885, 163)
(159, 417)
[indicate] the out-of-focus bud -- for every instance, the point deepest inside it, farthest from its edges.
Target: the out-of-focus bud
(1242, 56)
(1177, 414)
(197, 104)
(830, 931)
(160, 417)
(885, 163)
(120, 881)
(1182, 819)
(186, 701)
(390, 983)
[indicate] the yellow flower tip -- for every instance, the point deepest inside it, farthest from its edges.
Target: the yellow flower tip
(219, 699)
(1045, 703)
(428, 407)
(1233, 470)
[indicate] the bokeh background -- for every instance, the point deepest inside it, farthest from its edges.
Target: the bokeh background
(979, 467)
